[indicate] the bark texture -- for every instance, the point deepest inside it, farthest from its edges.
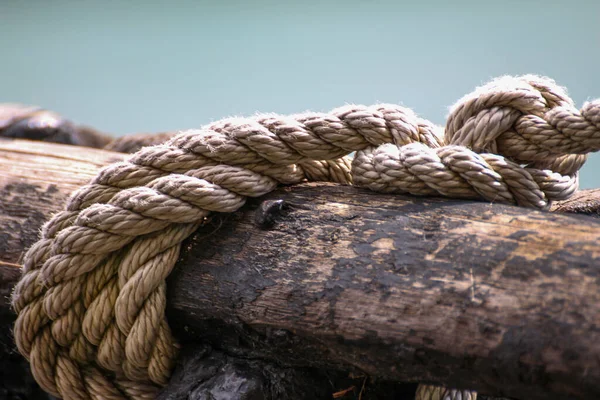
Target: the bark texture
(35, 123)
(501, 299)
(328, 280)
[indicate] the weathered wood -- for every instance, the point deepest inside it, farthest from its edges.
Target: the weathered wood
(205, 373)
(18, 121)
(583, 202)
(501, 299)
(36, 178)
(496, 298)
(30, 122)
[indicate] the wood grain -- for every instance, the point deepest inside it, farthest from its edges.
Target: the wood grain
(501, 299)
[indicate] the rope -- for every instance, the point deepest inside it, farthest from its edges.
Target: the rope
(91, 301)
(133, 143)
(431, 392)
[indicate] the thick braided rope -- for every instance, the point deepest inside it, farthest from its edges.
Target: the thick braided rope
(91, 302)
(432, 392)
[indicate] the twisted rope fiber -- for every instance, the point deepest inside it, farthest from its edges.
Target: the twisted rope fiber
(91, 301)
(430, 392)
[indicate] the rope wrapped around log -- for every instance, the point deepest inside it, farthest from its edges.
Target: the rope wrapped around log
(91, 301)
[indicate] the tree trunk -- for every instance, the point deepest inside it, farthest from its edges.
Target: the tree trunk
(500, 299)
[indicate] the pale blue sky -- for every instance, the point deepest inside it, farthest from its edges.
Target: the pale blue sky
(142, 66)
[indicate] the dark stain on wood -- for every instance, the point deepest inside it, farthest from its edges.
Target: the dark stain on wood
(486, 279)
(495, 298)
(25, 204)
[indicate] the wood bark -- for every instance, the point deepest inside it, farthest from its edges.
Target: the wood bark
(20, 121)
(500, 299)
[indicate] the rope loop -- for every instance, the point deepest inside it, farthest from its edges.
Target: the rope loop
(91, 301)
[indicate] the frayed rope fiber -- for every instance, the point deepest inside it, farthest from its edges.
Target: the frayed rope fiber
(91, 301)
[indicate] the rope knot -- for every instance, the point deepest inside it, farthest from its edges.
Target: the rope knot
(516, 140)
(92, 298)
(528, 119)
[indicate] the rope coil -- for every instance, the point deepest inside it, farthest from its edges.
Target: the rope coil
(91, 301)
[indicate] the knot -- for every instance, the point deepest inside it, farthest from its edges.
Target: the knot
(92, 298)
(527, 119)
(517, 140)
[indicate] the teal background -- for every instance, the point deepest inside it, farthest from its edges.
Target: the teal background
(140, 66)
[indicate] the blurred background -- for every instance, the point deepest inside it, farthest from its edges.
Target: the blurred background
(142, 66)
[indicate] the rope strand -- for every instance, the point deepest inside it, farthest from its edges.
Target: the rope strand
(91, 301)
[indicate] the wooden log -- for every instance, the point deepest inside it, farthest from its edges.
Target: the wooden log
(36, 179)
(35, 123)
(582, 202)
(500, 299)
(20, 121)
